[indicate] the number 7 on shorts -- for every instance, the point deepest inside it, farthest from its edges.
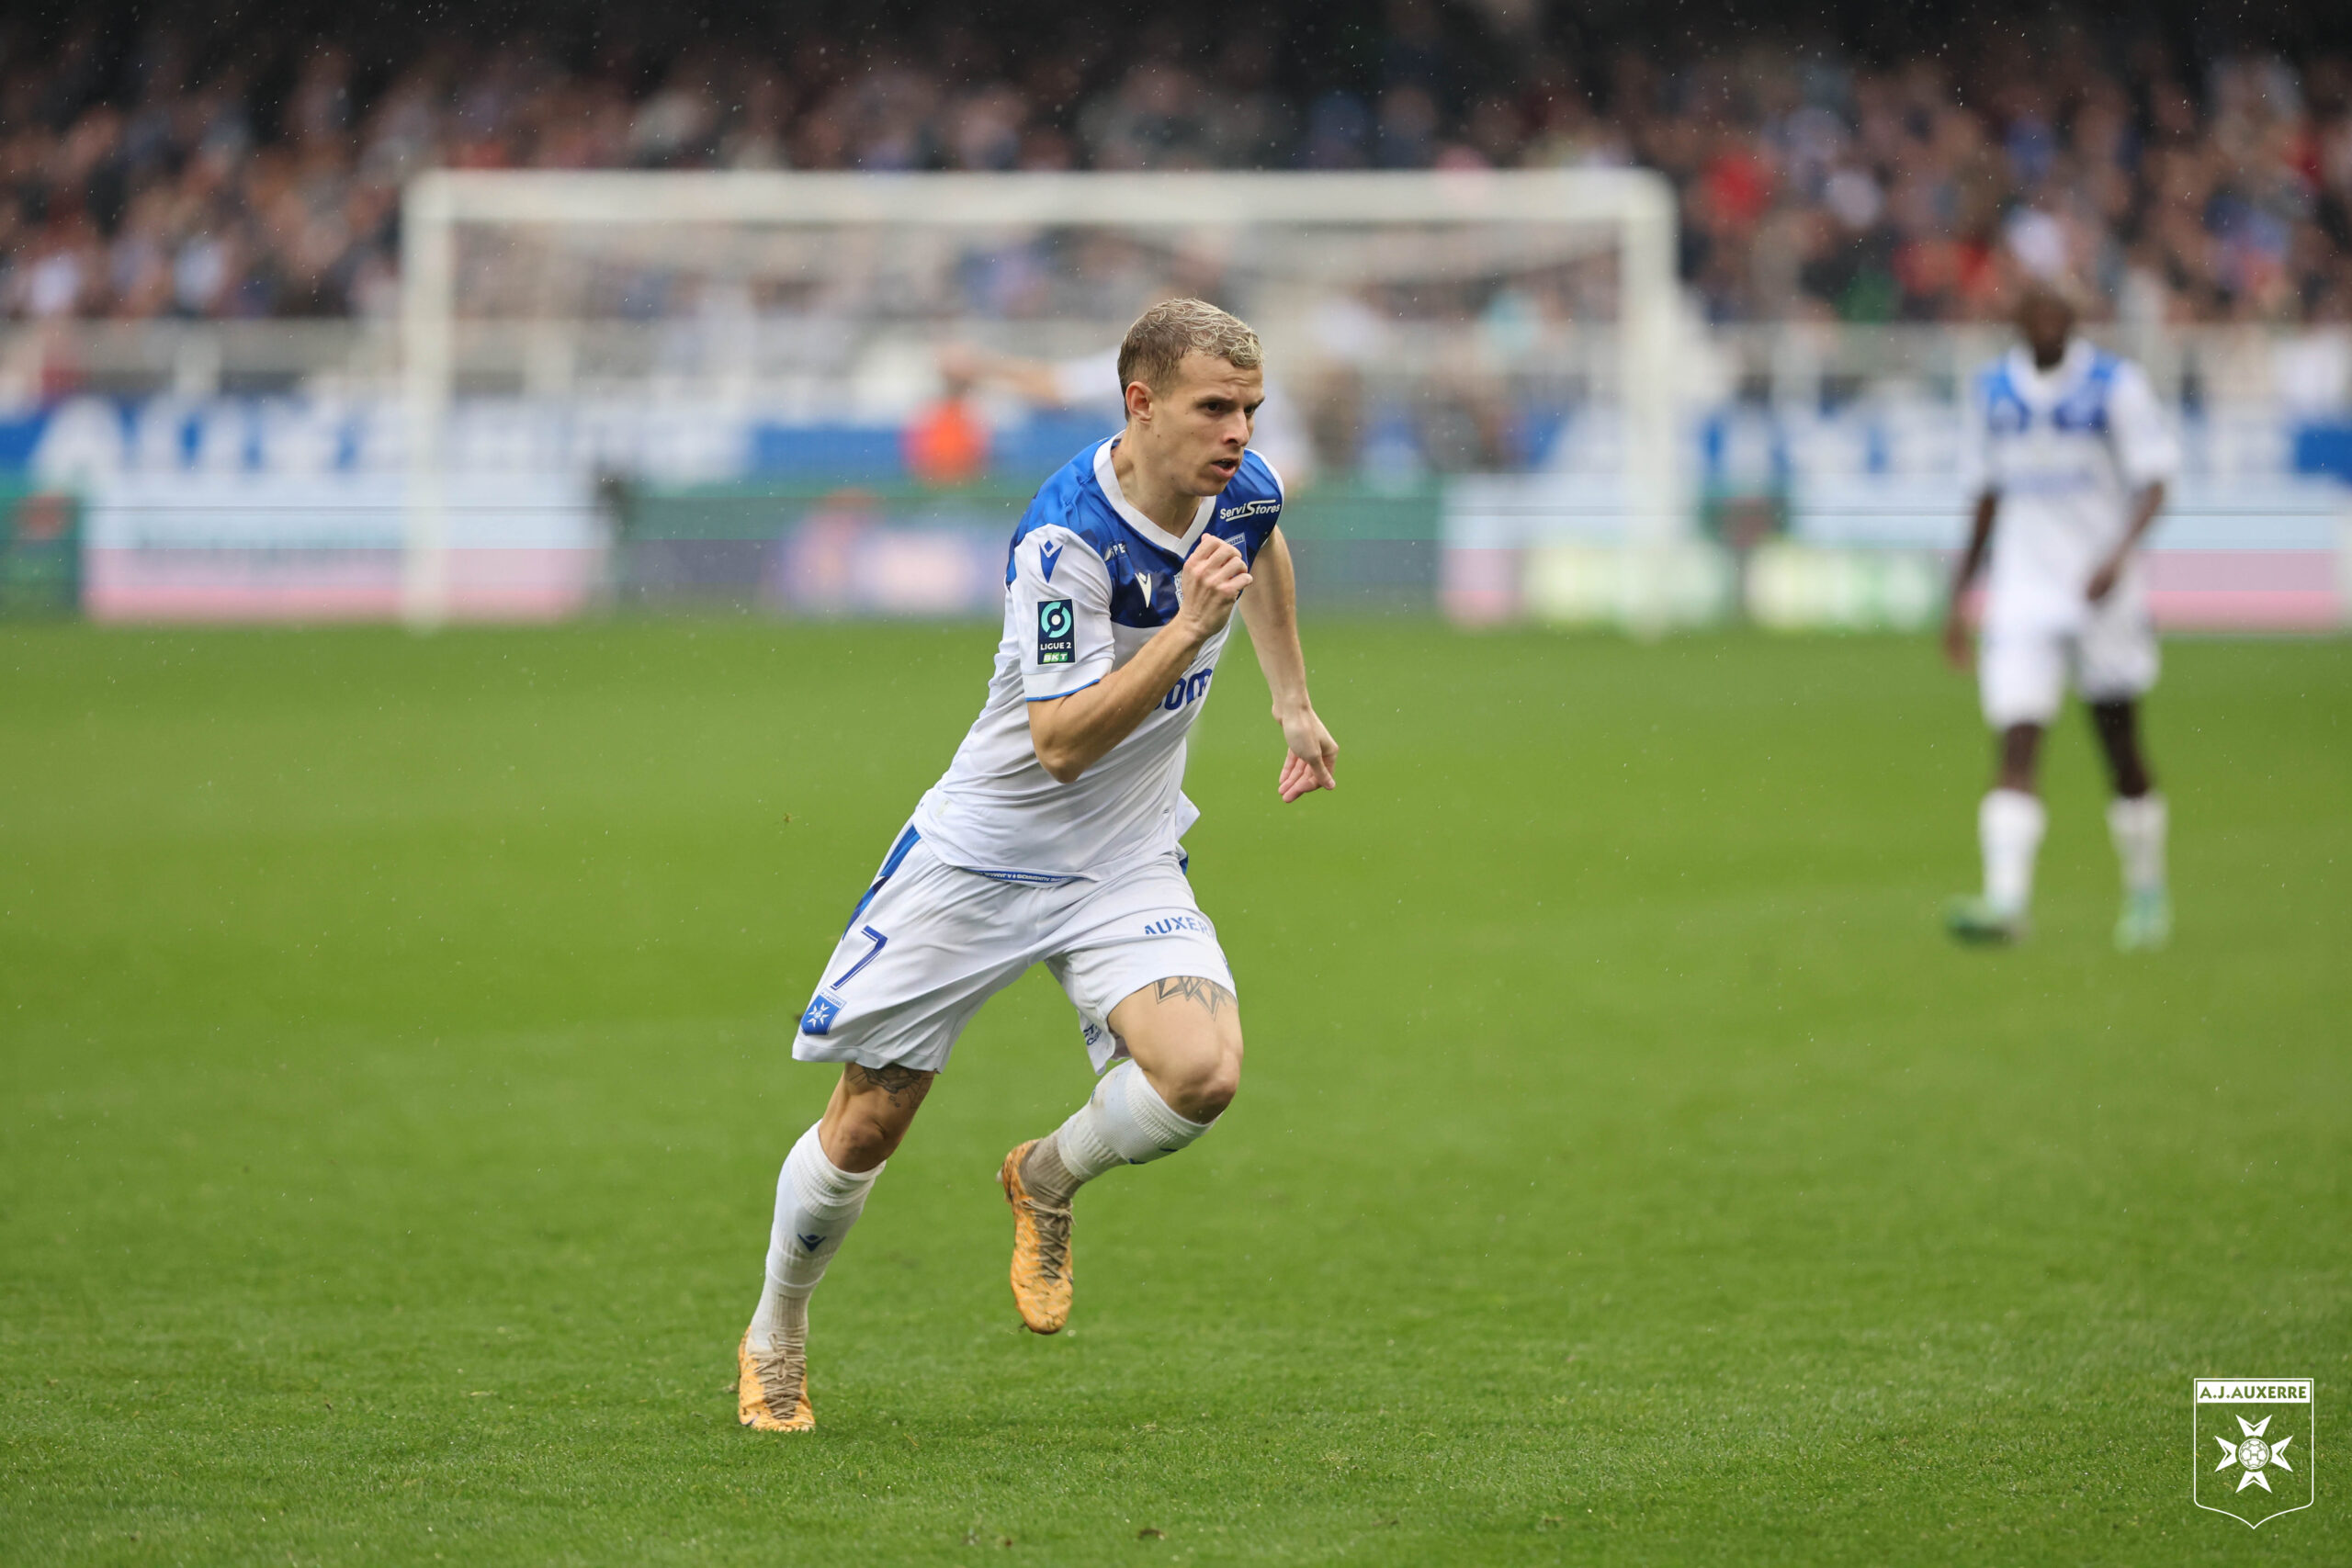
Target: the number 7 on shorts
(843, 978)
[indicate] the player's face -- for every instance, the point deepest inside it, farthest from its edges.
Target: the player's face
(2046, 321)
(1201, 423)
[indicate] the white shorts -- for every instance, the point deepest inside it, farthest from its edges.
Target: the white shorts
(931, 941)
(2022, 674)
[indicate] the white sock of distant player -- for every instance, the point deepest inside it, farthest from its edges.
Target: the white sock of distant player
(2009, 825)
(2138, 829)
(816, 1202)
(1124, 1121)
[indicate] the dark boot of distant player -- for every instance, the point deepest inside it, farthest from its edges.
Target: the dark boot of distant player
(2010, 821)
(2009, 826)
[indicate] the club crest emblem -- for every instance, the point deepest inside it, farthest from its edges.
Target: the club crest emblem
(2254, 1441)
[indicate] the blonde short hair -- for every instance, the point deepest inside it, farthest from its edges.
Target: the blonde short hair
(1162, 335)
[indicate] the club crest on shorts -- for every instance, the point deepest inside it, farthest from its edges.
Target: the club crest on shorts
(2255, 1438)
(1056, 632)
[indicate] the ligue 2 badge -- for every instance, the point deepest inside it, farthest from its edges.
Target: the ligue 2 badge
(1056, 632)
(2256, 1441)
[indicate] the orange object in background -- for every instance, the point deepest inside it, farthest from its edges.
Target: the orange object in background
(947, 444)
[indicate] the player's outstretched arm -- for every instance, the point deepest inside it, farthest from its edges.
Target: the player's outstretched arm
(1971, 560)
(1073, 733)
(1034, 381)
(1272, 615)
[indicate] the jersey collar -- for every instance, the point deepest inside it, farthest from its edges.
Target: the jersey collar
(1107, 476)
(2043, 387)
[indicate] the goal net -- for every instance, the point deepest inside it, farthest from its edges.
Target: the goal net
(829, 393)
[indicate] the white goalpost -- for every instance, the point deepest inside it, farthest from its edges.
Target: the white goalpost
(517, 263)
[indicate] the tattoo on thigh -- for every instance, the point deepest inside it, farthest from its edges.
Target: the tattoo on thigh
(903, 1085)
(1209, 993)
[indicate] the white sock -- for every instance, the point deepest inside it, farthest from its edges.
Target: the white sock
(2009, 825)
(2138, 829)
(816, 1202)
(1124, 1121)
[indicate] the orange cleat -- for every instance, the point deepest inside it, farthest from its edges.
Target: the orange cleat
(768, 1383)
(1040, 1250)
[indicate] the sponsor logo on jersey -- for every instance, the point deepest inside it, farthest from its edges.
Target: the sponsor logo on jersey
(1250, 510)
(1056, 632)
(1187, 690)
(1048, 558)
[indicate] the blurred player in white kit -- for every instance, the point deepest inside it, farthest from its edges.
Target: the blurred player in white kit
(2071, 456)
(1054, 837)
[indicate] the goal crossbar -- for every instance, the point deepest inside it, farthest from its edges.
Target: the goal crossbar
(1636, 205)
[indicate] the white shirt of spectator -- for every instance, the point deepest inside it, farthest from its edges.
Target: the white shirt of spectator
(2067, 451)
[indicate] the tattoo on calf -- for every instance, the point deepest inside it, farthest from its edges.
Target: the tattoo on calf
(1209, 993)
(901, 1084)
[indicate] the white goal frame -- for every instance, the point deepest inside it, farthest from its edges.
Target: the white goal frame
(1637, 206)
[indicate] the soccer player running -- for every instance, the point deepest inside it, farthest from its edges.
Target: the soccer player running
(1054, 837)
(2073, 456)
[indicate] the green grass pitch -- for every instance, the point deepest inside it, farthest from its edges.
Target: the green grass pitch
(1625, 1171)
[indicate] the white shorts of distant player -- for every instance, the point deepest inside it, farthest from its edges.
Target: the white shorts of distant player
(2022, 671)
(932, 942)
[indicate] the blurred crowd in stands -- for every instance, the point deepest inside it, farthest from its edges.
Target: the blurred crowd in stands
(158, 170)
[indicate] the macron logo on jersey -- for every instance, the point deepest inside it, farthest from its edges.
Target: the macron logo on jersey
(1048, 558)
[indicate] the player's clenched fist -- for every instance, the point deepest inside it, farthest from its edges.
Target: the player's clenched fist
(1211, 584)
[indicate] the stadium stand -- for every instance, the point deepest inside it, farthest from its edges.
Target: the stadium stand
(166, 166)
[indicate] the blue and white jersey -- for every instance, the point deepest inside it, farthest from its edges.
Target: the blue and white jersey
(1089, 580)
(2066, 451)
